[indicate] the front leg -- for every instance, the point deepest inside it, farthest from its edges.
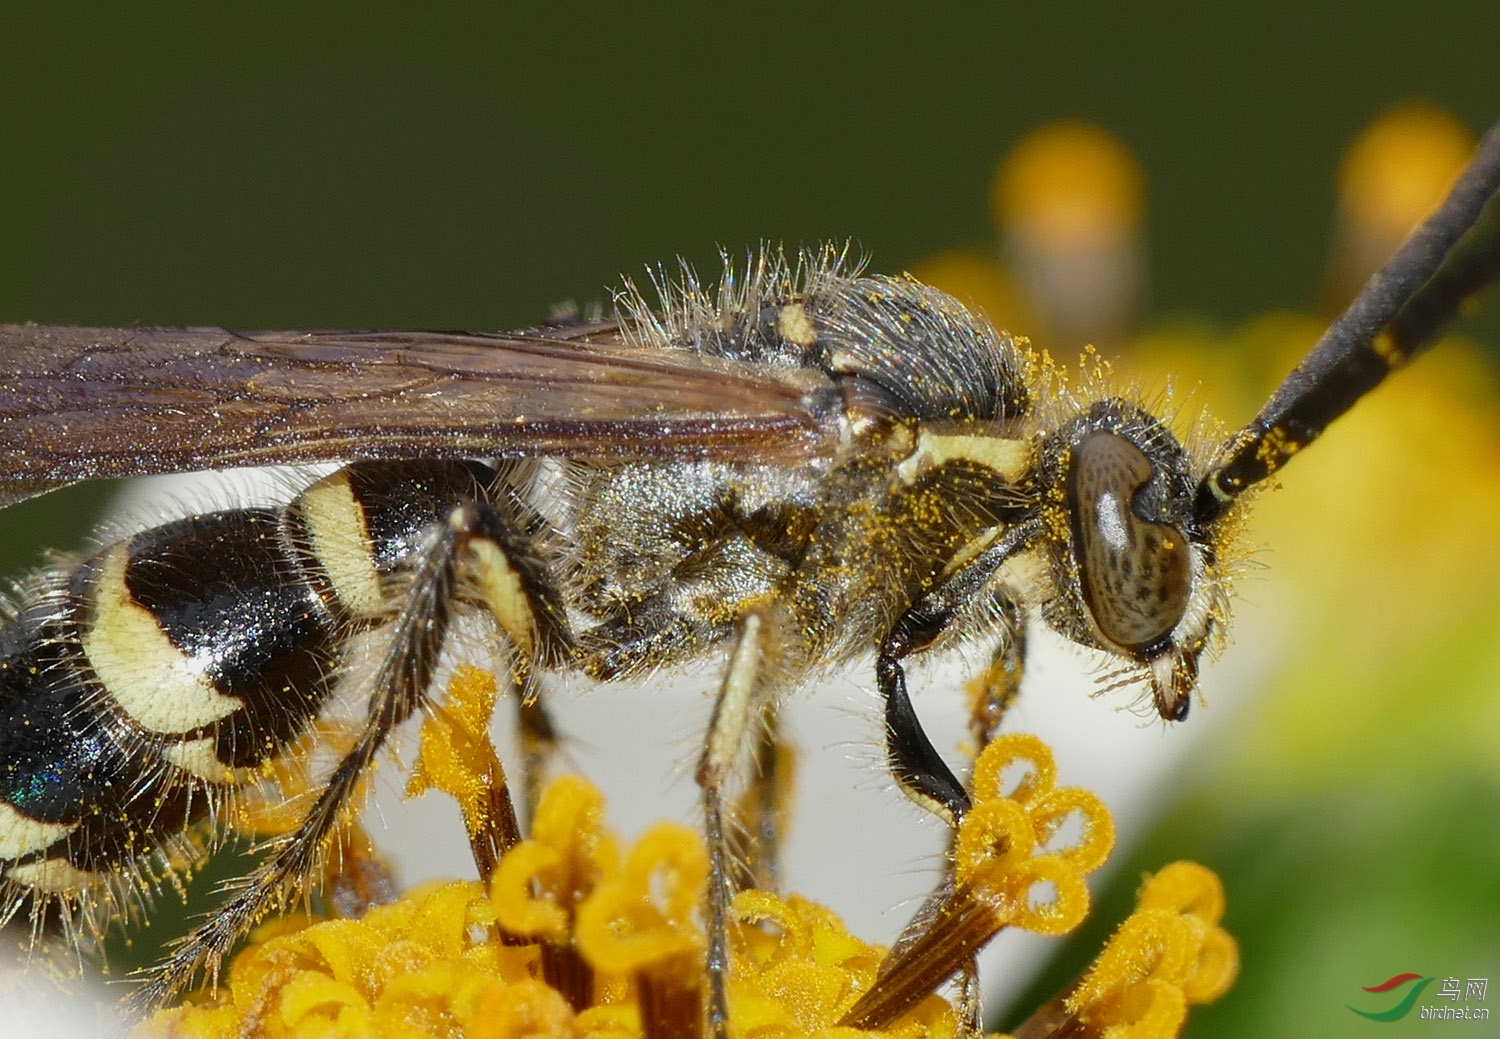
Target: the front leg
(916, 766)
(994, 689)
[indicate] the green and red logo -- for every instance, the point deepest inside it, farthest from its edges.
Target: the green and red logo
(1413, 985)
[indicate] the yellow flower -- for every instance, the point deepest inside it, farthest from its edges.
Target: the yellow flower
(1167, 955)
(572, 938)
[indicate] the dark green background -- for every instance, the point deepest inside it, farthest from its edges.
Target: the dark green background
(318, 169)
(301, 167)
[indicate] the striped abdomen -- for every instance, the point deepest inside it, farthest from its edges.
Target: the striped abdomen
(142, 683)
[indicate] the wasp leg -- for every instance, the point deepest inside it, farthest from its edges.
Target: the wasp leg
(994, 689)
(358, 878)
(653, 632)
(539, 744)
(474, 540)
(916, 766)
(925, 778)
(743, 695)
(760, 817)
(513, 578)
(667, 628)
(517, 585)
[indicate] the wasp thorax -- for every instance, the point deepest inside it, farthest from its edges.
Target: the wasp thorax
(1135, 571)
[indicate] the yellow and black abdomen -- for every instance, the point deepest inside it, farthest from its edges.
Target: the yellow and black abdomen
(149, 679)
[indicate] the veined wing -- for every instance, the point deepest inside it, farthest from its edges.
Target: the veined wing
(79, 403)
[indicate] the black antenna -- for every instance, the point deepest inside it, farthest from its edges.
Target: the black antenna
(1395, 316)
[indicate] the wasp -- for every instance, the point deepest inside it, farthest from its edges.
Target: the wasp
(794, 470)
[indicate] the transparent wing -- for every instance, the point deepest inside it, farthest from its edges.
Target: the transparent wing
(80, 403)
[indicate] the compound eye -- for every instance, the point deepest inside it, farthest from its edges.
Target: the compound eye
(1136, 572)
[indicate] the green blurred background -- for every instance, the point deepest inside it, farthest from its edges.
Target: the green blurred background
(303, 166)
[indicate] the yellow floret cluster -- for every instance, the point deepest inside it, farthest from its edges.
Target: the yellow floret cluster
(575, 935)
(438, 963)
